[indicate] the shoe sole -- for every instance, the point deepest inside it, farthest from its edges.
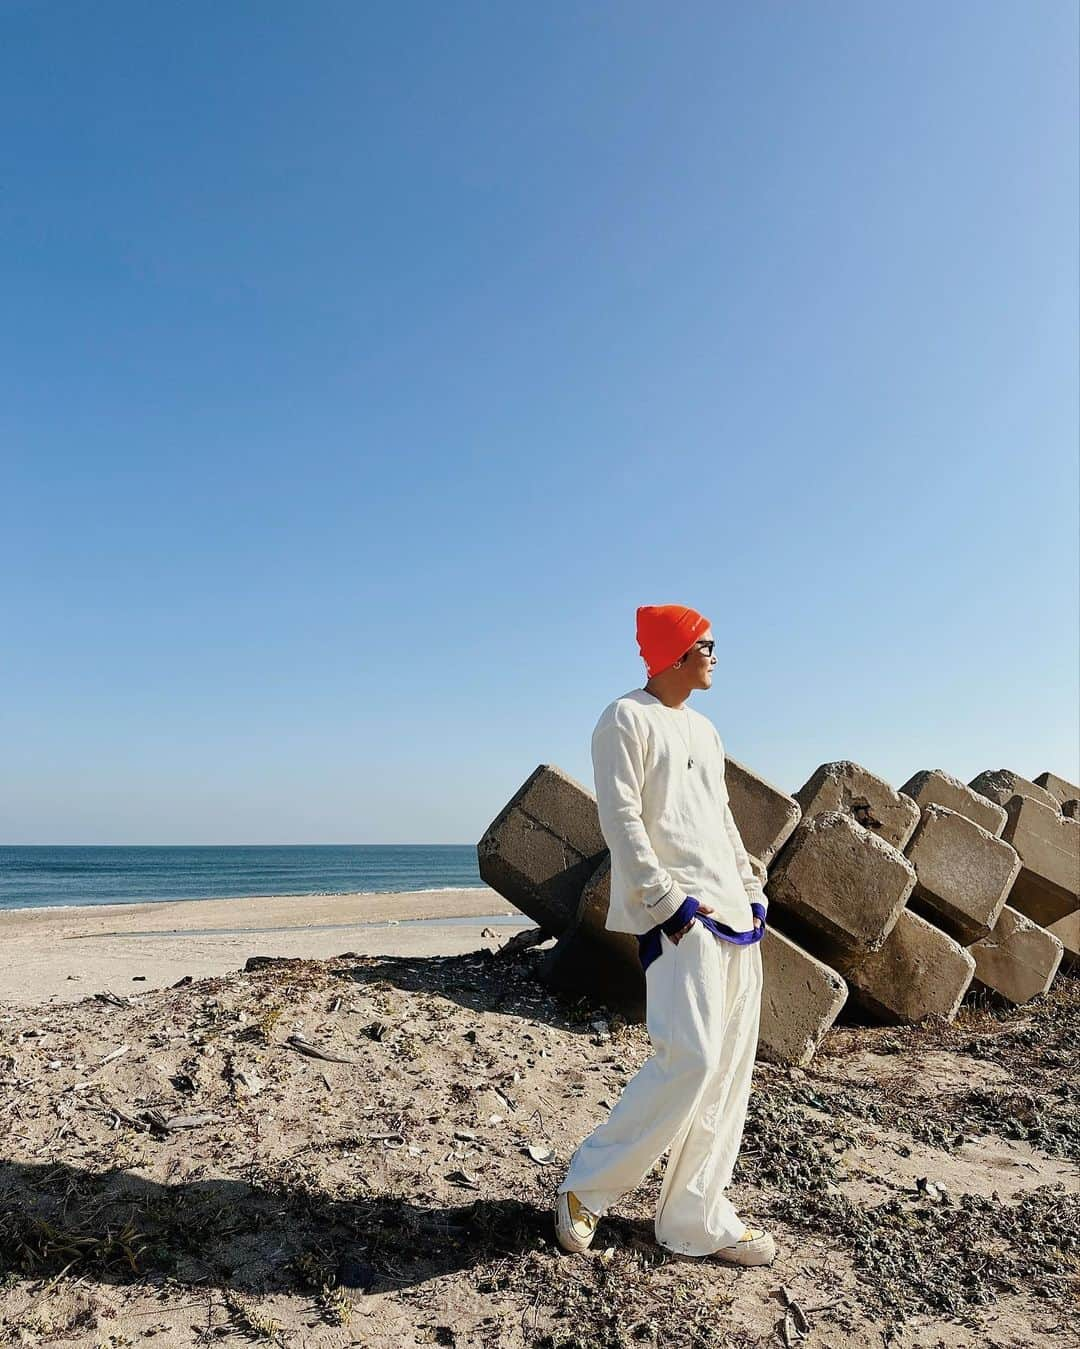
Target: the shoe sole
(748, 1253)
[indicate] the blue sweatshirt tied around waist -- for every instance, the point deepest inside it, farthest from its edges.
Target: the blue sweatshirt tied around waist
(650, 946)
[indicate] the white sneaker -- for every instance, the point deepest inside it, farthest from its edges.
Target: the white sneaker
(575, 1225)
(754, 1247)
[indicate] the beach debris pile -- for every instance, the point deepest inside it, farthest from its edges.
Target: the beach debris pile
(366, 1150)
(899, 900)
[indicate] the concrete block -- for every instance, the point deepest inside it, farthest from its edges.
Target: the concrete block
(765, 815)
(964, 873)
(840, 882)
(1018, 959)
(869, 800)
(1000, 784)
(543, 846)
(1067, 931)
(1059, 788)
(800, 999)
(918, 972)
(933, 786)
(592, 914)
(1048, 886)
(1071, 810)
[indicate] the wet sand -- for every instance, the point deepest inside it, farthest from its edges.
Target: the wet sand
(62, 955)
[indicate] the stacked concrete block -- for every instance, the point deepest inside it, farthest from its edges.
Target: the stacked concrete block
(1019, 959)
(964, 881)
(543, 846)
(849, 789)
(919, 971)
(628, 989)
(765, 815)
(841, 890)
(1002, 784)
(1048, 886)
(963, 872)
(1058, 788)
(837, 887)
(934, 787)
(801, 997)
(1071, 810)
(1067, 931)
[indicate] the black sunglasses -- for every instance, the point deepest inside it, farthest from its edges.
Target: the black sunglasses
(706, 647)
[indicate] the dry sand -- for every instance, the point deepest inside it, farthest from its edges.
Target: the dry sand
(64, 954)
(175, 1170)
(176, 1166)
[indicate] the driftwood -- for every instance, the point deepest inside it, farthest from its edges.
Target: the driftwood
(521, 941)
(303, 1046)
(174, 1123)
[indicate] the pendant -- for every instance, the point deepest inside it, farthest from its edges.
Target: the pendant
(689, 763)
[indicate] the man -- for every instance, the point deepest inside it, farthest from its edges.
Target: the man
(681, 880)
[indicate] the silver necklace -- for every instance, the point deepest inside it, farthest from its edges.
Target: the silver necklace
(689, 740)
(689, 736)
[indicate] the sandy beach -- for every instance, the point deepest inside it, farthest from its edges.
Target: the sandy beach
(360, 1146)
(65, 954)
(365, 1151)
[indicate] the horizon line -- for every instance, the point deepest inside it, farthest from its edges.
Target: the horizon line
(239, 845)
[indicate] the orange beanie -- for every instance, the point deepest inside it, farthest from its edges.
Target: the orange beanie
(665, 632)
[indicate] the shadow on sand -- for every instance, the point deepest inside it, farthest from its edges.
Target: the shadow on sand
(123, 1228)
(264, 1237)
(481, 981)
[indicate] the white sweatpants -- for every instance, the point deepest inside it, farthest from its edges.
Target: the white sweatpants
(702, 1008)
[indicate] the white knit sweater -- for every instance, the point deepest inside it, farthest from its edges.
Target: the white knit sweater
(669, 827)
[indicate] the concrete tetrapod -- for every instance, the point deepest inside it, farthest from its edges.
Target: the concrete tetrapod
(918, 972)
(765, 815)
(935, 787)
(543, 846)
(1059, 788)
(964, 873)
(1018, 959)
(837, 887)
(1000, 784)
(852, 790)
(1067, 931)
(1048, 886)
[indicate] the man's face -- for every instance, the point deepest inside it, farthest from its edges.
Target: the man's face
(700, 663)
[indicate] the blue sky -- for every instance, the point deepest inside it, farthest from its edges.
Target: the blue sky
(363, 367)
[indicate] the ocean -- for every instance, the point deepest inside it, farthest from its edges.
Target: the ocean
(43, 877)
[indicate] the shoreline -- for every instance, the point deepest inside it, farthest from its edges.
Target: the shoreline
(225, 899)
(53, 954)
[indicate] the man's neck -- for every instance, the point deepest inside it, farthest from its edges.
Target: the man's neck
(670, 697)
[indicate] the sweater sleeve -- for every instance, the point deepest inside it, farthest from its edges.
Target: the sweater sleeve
(619, 771)
(754, 892)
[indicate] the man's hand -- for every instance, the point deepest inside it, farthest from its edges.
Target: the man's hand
(678, 936)
(757, 921)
